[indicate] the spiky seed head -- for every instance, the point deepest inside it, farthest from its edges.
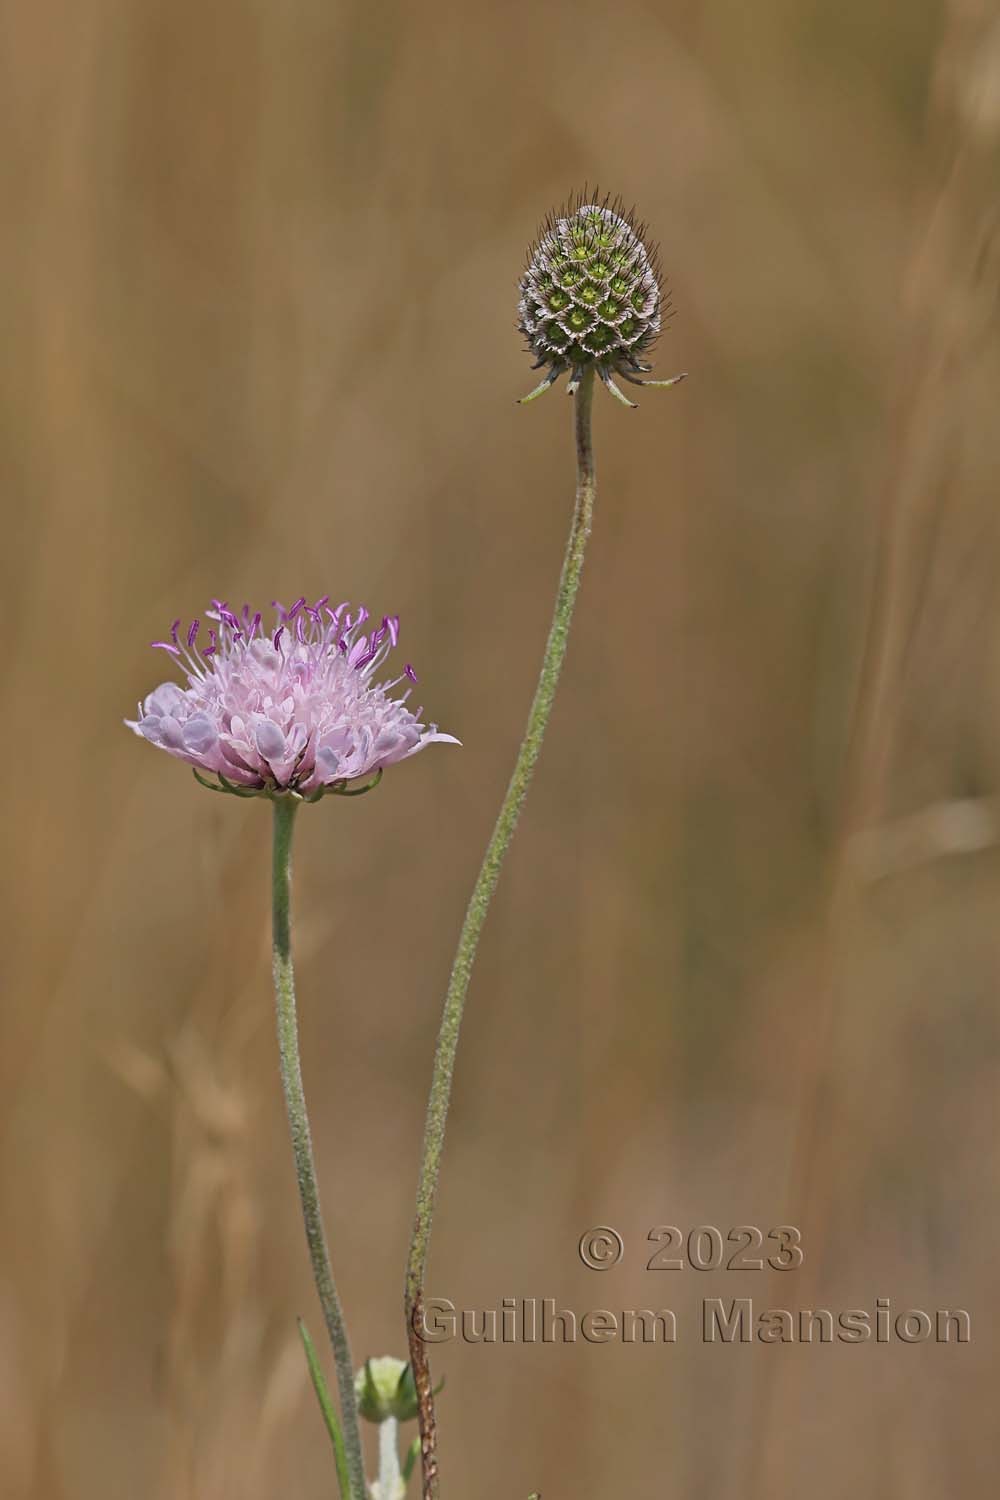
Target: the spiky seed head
(591, 292)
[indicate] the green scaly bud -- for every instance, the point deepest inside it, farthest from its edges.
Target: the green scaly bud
(591, 296)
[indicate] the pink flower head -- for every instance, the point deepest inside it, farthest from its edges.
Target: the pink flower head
(295, 710)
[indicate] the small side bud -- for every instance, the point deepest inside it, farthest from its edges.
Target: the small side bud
(385, 1388)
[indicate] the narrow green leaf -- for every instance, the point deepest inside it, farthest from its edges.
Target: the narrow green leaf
(329, 1413)
(409, 1462)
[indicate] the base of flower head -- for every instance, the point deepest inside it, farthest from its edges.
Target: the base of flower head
(279, 793)
(606, 372)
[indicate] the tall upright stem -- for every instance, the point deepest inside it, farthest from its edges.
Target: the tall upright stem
(475, 917)
(298, 1120)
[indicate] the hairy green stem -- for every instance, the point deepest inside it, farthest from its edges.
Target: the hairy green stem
(475, 917)
(298, 1120)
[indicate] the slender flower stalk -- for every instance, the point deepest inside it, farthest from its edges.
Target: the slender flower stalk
(305, 1166)
(293, 714)
(390, 1479)
(475, 917)
(591, 303)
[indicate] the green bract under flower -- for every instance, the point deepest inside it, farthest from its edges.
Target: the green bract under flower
(591, 296)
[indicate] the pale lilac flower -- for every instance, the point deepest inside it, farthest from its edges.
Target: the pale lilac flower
(294, 710)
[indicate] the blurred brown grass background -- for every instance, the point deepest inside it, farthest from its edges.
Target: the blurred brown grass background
(257, 282)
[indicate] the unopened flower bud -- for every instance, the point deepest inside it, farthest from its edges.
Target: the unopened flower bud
(385, 1388)
(591, 296)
